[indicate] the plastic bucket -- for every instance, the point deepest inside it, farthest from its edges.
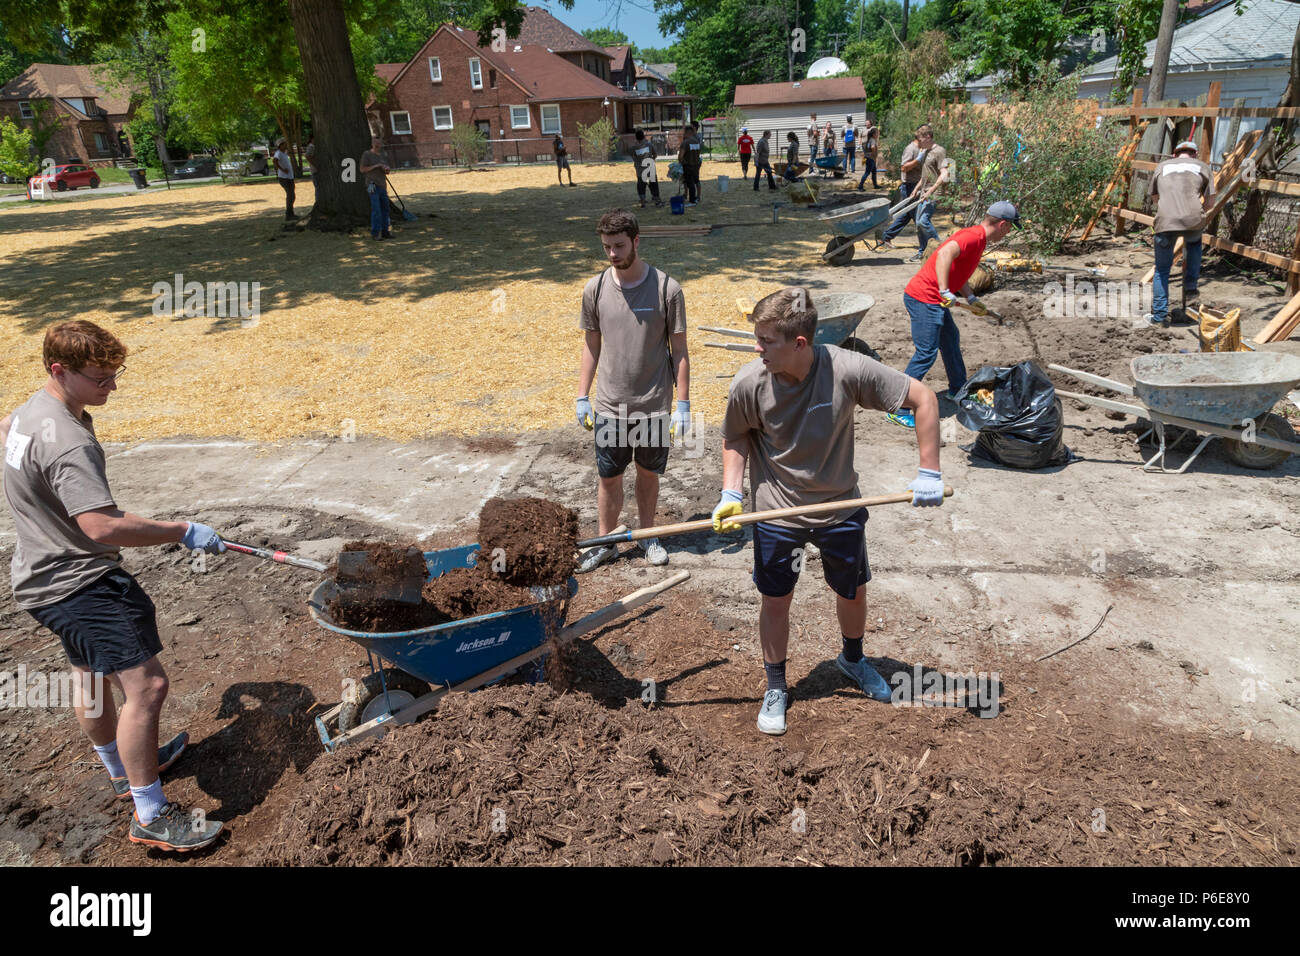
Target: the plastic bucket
(678, 205)
(724, 183)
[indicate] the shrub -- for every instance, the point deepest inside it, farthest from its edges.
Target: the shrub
(728, 127)
(468, 144)
(599, 141)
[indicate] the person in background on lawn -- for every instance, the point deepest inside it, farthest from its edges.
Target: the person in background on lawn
(310, 152)
(643, 159)
(1183, 186)
(67, 574)
(929, 303)
(791, 157)
(790, 417)
(850, 143)
(912, 163)
(284, 173)
(634, 321)
(814, 135)
(763, 161)
(375, 169)
(561, 159)
(691, 159)
(746, 144)
(870, 146)
(934, 174)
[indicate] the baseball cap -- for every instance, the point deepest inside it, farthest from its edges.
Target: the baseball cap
(1005, 210)
(744, 129)
(1185, 144)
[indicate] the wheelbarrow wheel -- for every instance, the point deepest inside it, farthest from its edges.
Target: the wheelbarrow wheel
(854, 344)
(364, 700)
(844, 256)
(1253, 455)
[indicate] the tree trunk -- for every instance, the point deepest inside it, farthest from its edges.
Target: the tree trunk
(906, 4)
(1164, 43)
(1292, 95)
(342, 132)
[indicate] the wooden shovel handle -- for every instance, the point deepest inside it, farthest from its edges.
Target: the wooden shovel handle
(706, 524)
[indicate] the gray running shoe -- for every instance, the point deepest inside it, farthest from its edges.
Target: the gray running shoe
(771, 718)
(168, 754)
(595, 557)
(174, 829)
(655, 553)
(865, 676)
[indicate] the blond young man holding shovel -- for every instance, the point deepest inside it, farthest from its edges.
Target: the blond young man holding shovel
(67, 573)
(790, 416)
(634, 320)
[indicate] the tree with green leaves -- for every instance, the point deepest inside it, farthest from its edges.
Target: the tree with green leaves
(606, 36)
(18, 155)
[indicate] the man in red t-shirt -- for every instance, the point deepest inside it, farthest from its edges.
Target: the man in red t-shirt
(928, 300)
(746, 143)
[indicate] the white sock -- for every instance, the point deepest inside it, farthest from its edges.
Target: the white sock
(149, 802)
(112, 762)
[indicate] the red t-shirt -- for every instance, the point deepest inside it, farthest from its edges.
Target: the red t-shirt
(924, 286)
(746, 144)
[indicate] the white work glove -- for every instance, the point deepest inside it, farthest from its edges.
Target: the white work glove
(976, 306)
(946, 298)
(927, 489)
(584, 413)
(681, 422)
(730, 504)
(199, 537)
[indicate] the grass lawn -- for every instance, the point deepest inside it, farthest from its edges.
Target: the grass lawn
(465, 323)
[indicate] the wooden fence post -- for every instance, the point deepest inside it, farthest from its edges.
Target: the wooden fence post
(1122, 202)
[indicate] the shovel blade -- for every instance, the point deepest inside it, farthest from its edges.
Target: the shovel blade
(361, 581)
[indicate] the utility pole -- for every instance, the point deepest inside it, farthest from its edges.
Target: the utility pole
(1164, 44)
(906, 4)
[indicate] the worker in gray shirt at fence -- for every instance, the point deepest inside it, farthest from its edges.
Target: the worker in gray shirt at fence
(67, 573)
(763, 160)
(1183, 187)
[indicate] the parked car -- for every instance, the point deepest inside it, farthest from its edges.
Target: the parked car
(70, 176)
(248, 163)
(196, 167)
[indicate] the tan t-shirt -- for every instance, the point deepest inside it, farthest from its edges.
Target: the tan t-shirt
(1179, 182)
(54, 470)
(635, 370)
(801, 436)
(935, 160)
(376, 175)
(910, 152)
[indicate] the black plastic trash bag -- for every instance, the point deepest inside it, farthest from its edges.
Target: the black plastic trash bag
(1024, 427)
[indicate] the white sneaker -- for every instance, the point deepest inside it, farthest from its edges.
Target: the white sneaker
(595, 557)
(655, 553)
(771, 719)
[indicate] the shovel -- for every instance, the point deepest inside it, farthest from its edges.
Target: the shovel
(706, 524)
(359, 579)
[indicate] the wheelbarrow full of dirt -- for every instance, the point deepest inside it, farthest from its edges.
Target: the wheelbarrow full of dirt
(1226, 395)
(426, 663)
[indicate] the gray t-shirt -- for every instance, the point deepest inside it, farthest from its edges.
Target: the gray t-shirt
(54, 470)
(801, 436)
(636, 371)
(1179, 182)
(376, 175)
(910, 152)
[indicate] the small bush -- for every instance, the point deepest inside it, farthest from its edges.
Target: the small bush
(599, 141)
(728, 127)
(468, 144)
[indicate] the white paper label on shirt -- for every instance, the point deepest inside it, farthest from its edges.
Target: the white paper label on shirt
(16, 448)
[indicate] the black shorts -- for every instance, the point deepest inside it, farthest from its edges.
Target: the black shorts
(619, 441)
(108, 626)
(562, 162)
(843, 549)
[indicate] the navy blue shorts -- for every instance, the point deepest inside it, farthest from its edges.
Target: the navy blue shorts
(843, 548)
(618, 441)
(108, 626)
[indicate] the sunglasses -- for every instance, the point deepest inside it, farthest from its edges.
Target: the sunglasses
(103, 382)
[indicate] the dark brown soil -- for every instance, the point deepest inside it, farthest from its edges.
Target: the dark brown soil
(469, 592)
(379, 617)
(537, 540)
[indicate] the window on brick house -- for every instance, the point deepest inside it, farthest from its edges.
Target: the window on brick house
(519, 118)
(550, 119)
(442, 117)
(475, 75)
(492, 79)
(25, 110)
(435, 70)
(401, 122)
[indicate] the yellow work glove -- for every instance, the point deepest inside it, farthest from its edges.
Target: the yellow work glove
(946, 298)
(584, 414)
(729, 505)
(976, 306)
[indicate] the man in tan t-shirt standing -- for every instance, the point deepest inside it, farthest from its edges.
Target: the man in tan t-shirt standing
(375, 168)
(790, 415)
(67, 573)
(934, 175)
(1183, 186)
(634, 317)
(911, 165)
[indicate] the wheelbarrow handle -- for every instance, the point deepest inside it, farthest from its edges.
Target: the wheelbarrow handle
(706, 524)
(278, 556)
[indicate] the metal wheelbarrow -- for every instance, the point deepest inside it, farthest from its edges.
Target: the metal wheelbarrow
(430, 662)
(838, 316)
(1223, 394)
(853, 222)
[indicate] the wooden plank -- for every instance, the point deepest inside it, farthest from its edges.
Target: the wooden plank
(1207, 131)
(1249, 252)
(1275, 328)
(1185, 112)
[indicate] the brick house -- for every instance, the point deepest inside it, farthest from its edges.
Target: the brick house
(622, 71)
(520, 97)
(92, 119)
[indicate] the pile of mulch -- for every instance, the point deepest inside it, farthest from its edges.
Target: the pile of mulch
(525, 775)
(469, 592)
(537, 540)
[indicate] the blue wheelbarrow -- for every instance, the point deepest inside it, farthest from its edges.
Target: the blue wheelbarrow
(430, 662)
(853, 222)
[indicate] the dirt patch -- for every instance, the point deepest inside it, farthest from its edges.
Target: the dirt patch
(469, 592)
(535, 540)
